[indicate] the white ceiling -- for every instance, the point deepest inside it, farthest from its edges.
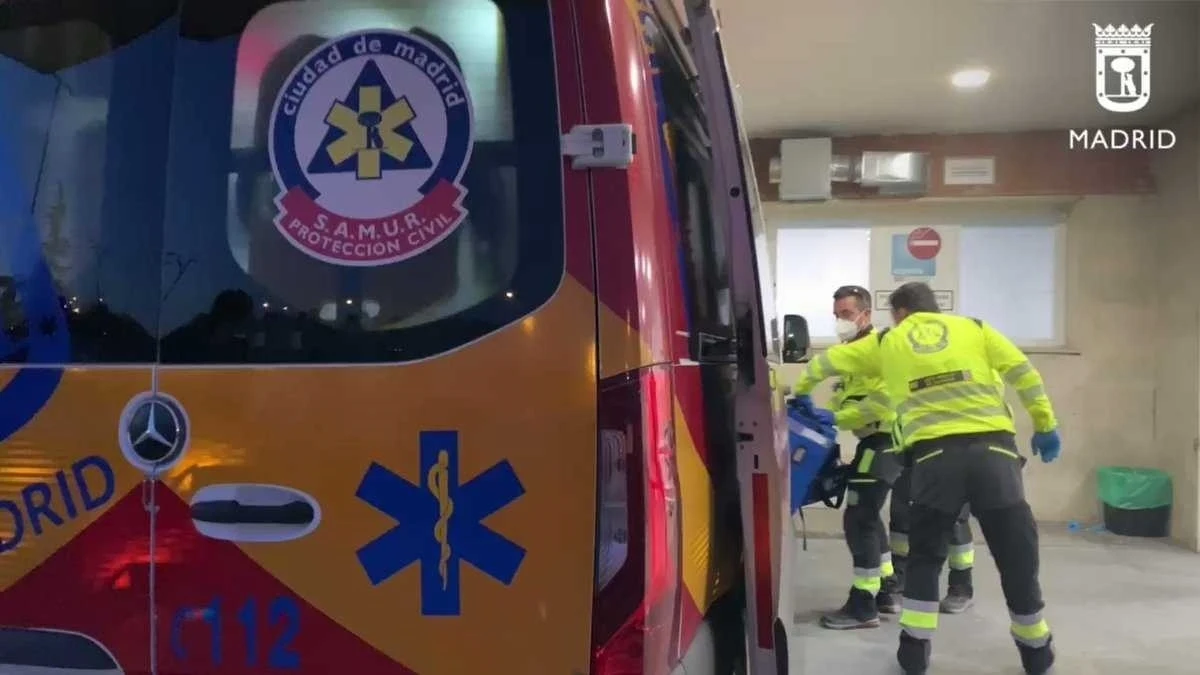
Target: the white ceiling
(883, 66)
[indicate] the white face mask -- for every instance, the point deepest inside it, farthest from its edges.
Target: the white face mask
(845, 329)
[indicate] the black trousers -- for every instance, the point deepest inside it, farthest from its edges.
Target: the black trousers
(982, 471)
(862, 519)
(962, 541)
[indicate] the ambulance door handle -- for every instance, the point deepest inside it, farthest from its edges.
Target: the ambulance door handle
(744, 437)
(253, 512)
(230, 511)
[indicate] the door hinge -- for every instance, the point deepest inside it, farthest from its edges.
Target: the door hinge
(600, 146)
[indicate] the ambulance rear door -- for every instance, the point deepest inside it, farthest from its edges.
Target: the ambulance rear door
(762, 451)
(380, 326)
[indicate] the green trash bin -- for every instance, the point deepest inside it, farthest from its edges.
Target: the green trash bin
(1136, 502)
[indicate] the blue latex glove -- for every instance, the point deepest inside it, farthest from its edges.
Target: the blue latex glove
(1047, 445)
(823, 416)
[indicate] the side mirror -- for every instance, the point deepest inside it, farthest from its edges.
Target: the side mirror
(795, 339)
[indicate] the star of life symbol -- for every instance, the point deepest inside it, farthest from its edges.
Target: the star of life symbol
(1123, 67)
(369, 133)
(370, 137)
(440, 523)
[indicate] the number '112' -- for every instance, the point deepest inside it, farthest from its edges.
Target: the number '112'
(282, 610)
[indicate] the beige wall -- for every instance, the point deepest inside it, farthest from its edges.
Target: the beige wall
(1176, 227)
(1127, 388)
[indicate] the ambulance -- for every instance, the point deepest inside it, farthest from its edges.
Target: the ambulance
(384, 337)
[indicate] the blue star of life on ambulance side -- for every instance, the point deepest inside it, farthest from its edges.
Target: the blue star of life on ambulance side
(439, 523)
(370, 131)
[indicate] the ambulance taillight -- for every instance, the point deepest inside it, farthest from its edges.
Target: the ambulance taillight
(634, 618)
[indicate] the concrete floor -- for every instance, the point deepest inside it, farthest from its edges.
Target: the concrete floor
(1117, 606)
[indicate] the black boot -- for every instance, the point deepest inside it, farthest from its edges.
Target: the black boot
(885, 600)
(913, 655)
(858, 612)
(961, 594)
(1037, 660)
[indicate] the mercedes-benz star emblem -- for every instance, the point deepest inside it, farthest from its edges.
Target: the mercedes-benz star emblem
(154, 430)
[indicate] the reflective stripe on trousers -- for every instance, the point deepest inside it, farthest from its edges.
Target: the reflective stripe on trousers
(1030, 630)
(899, 542)
(868, 580)
(962, 557)
(864, 464)
(919, 618)
(886, 568)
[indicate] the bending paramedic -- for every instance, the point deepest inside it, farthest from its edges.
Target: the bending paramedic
(860, 405)
(939, 372)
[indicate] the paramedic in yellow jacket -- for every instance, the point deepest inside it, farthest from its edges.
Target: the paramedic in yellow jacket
(960, 589)
(859, 405)
(938, 372)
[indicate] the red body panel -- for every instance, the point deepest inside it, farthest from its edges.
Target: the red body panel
(638, 274)
(191, 573)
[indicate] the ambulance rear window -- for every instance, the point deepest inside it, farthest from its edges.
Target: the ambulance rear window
(81, 227)
(344, 183)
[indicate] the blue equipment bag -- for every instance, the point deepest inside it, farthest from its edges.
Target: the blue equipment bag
(818, 474)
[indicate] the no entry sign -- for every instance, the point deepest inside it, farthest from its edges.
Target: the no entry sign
(924, 243)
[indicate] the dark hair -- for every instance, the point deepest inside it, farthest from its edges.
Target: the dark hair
(862, 295)
(915, 296)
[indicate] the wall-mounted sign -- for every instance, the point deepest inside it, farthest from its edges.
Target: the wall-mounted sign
(969, 171)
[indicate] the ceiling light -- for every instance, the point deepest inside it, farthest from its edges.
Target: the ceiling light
(970, 78)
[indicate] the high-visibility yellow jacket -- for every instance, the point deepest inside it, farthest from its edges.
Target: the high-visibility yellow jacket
(860, 402)
(940, 375)
(1003, 390)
